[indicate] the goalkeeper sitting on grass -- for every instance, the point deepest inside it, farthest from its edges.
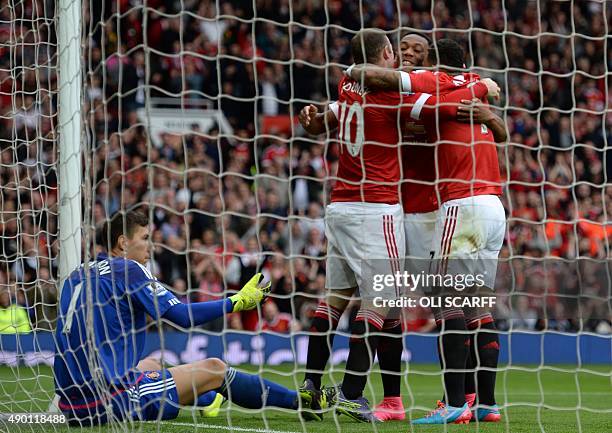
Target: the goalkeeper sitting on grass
(99, 374)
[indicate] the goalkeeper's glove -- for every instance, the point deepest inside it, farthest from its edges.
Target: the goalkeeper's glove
(251, 294)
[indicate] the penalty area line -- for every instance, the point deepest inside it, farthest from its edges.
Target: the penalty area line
(221, 427)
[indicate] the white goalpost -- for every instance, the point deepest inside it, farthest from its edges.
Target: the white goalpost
(69, 20)
(70, 136)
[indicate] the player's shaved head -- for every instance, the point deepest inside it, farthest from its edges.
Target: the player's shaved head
(447, 53)
(368, 45)
(122, 224)
(424, 39)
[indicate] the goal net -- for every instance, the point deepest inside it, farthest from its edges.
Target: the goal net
(188, 112)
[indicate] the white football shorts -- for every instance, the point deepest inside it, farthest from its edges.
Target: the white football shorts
(469, 235)
(364, 240)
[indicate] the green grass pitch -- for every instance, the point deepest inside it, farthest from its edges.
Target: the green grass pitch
(551, 399)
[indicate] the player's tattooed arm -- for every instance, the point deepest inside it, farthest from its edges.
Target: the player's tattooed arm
(477, 112)
(316, 123)
(375, 77)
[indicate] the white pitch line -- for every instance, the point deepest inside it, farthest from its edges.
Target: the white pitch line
(545, 393)
(223, 427)
(553, 393)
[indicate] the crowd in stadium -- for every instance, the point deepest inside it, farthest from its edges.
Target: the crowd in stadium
(224, 206)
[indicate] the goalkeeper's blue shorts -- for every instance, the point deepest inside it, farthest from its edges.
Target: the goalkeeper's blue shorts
(152, 397)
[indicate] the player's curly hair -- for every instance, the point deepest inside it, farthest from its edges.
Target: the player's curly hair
(367, 45)
(447, 52)
(121, 223)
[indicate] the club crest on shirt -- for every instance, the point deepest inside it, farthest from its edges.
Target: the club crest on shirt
(154, 375)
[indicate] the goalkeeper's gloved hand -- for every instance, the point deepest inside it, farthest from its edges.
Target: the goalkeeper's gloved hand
(251, 294)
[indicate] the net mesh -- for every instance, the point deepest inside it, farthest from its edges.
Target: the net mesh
(28, 189)
(189, 114)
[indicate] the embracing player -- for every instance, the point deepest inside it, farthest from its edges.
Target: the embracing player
(101, 332)
(419, 197)
(468, 235)
(364, 220)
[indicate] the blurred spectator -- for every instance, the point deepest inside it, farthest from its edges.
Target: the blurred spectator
(523, 316)
(275, 321)
(179, 288)
(234, 322)
(224, 207)
(13, 317)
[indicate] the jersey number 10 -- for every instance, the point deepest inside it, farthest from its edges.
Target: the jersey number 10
(346, 121)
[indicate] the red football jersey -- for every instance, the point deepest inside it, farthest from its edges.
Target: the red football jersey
(368, 132)
(419, 170)
(465, 154)
(368, 168)
(435, 82)
(281, 324)
(418, 155)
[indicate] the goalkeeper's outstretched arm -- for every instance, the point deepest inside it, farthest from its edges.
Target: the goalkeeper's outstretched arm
(199, 313)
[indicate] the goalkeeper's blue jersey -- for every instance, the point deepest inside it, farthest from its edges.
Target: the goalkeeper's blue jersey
(121, 293)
